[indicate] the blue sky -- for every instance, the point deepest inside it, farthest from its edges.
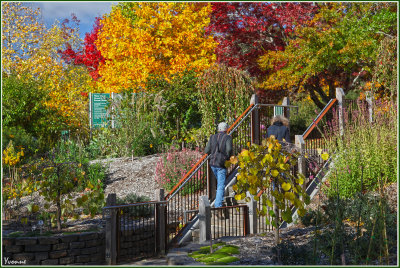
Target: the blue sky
(84, 10)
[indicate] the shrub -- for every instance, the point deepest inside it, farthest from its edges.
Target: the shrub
(136, 211)
(182, 105)
(224, 94)
(372, 222)
(21, 137)
(173, 166)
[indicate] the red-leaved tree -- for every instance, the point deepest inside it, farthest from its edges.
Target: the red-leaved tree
(246, 30)
(89, 55)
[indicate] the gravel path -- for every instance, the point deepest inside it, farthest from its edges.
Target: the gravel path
(131, 175)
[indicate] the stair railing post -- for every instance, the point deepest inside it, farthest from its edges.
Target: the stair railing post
(204, 219)
(370, 106)
(255, 121)
(160, 222)
(252, 214)
(340, 97)
(286, 111)
(111, 230)
(301, 161)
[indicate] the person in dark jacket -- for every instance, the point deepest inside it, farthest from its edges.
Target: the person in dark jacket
(279, 128)
(219, 147)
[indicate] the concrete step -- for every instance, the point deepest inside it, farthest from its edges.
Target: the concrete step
(196, 233)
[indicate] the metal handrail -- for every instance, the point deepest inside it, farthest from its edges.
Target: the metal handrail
(226, 207)
(318, 118)
(135, 204)
(241, 118)
(205, 157)
(187, 177)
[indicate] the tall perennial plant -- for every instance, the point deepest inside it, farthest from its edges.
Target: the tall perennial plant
(371, 145)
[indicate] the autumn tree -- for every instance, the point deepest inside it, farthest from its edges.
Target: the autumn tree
(246, 30)
(337, 48)
(384, 74)
(30, 52)
(152, 38)
(21, 34)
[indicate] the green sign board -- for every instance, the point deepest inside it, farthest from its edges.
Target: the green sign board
(98, 109)
(278, 110)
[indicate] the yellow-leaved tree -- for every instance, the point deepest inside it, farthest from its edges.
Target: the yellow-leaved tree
(31, 51)
(139, 39)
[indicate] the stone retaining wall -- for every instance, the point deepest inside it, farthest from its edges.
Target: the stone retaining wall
(85, 248)
(136, 245)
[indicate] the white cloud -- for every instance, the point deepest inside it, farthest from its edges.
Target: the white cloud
(84, 11)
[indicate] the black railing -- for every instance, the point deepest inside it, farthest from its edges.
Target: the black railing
(315, 138)
(136, 230)
(184, 197)
(229, 221)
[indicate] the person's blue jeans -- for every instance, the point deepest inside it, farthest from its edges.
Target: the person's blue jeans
(220, 174)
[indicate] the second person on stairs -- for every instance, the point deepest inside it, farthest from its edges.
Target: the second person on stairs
(219, 147)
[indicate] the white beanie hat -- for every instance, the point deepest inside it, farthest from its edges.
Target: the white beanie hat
(222, 126)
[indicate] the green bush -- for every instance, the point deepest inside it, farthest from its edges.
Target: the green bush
(312, 217)
(182, 106)
(371, 219)
(20, 137)
(24, 108)
(96, 175)
(136, 211)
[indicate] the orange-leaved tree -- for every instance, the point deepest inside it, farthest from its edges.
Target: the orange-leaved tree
(139, 39)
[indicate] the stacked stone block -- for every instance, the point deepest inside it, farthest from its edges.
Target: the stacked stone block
(85, 248)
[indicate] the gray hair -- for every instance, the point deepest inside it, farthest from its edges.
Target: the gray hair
(222, 126)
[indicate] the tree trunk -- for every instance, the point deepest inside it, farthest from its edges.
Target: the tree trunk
(276, 230)
(59, 213)
(314, 98)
